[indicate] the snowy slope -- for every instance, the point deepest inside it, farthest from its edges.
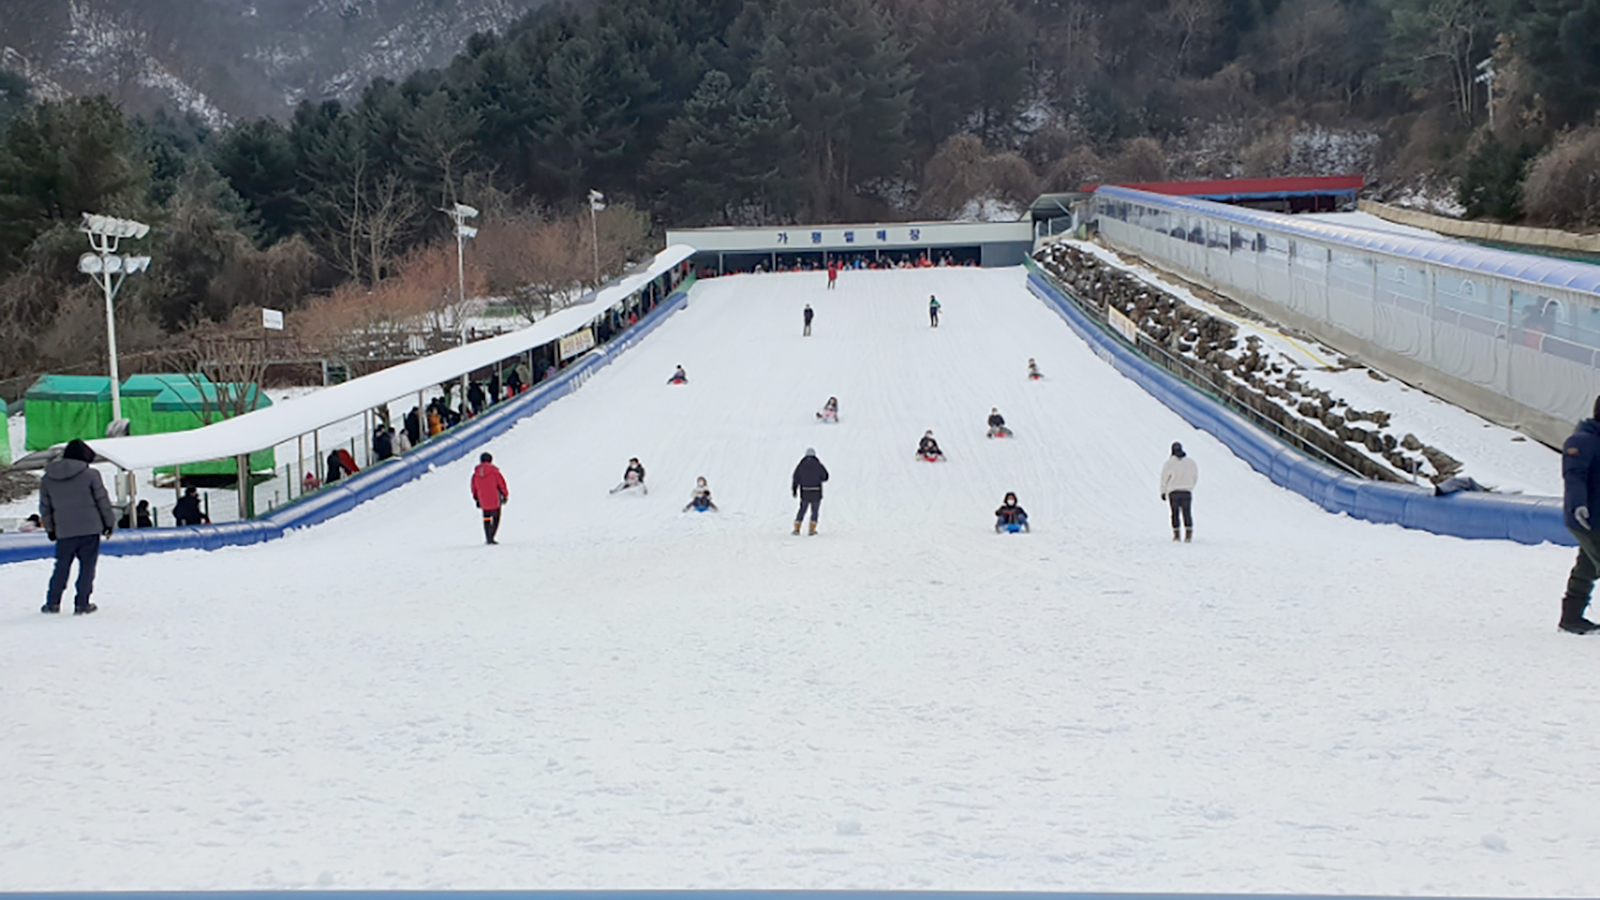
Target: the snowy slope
(624, 695)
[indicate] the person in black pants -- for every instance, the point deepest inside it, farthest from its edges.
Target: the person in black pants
(807, 485)
(1580, 477)
(808, 314)
(76, 513)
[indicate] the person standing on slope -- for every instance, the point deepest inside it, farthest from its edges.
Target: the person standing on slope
(489, 492)
(76, 513)
(1580, 477)
(1178, 478)
(933, 311)
(807, 316)
(807, 485)
(833, 274)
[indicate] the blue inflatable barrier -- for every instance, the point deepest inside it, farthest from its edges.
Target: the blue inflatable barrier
(348, 493)
(1526, 520)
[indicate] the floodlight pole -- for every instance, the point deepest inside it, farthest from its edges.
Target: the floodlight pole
(596, 203)
(105, 246)
(459, 214)
(109, 271)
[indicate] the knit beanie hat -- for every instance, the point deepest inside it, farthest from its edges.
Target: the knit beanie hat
(78, 450)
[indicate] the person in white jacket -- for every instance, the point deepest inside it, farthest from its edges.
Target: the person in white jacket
(1178, 479)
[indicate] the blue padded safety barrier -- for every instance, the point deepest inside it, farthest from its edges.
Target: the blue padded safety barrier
(1527, 520)
(348, 493)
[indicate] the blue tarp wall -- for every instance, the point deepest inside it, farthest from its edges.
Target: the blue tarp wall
(1527, 520)
(347, 493)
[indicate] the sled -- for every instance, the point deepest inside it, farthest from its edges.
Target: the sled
(677, 381)
(931, 457)
(1035, 377)
(828, 418)
(1001, 432)
(1010, 528)
(629, 485)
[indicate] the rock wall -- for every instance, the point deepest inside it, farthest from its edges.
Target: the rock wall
(1175, 335)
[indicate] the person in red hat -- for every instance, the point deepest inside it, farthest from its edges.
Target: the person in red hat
(490, 493)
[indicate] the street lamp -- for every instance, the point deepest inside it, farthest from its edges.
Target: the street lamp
(109, 270)
(597, 202)
(460, 213)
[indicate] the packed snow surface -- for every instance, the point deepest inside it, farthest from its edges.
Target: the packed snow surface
(625, 695)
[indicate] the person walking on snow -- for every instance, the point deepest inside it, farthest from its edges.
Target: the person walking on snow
(807, 316)
(833, 275)
(807, 485)
(76, 513)
(933, 311)
(1580, 478)
(489, 492)
(1178, 478)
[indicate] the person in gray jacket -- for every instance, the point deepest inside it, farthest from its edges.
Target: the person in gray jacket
(76, 512)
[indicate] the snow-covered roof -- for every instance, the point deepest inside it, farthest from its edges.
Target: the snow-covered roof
(275, 424)
(1541, 270)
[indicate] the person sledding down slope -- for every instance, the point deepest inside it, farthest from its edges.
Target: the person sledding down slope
(1010, 516)
(1033, 370)
(679, 377)
(633, 477)
(997, 424)
(830, 411)
(928, 448)
(700, 500)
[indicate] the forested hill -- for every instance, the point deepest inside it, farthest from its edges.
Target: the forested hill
(235, 59)
(690, 112)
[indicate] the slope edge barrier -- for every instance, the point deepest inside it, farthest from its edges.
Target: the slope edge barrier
(1526, 520)
(348, 493)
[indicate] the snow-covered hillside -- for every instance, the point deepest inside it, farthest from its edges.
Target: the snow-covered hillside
(625, 695)
(225, 61)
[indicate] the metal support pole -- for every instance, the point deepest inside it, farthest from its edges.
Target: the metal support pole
(316, 453)
(366, 421)
(300, 459)
(247, 505)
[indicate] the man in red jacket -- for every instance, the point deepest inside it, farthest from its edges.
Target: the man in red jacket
(489, 492)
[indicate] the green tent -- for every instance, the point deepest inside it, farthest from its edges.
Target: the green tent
(184, 405)
(62, 407)
(139, 394)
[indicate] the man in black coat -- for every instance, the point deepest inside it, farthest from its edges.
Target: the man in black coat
(807, 485)
(1580, 476)
(76, 512)
(475, 397)
(808, 315)
(382, 443)
(187, 510)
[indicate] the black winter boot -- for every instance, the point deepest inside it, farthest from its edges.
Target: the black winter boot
(50, 608)
(1572, 620)
(84, 610)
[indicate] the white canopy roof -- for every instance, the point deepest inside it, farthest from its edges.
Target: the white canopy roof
(284, 421)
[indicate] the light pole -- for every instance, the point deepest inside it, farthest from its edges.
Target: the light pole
(460, 213)
(109, 270)
(597, 202)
